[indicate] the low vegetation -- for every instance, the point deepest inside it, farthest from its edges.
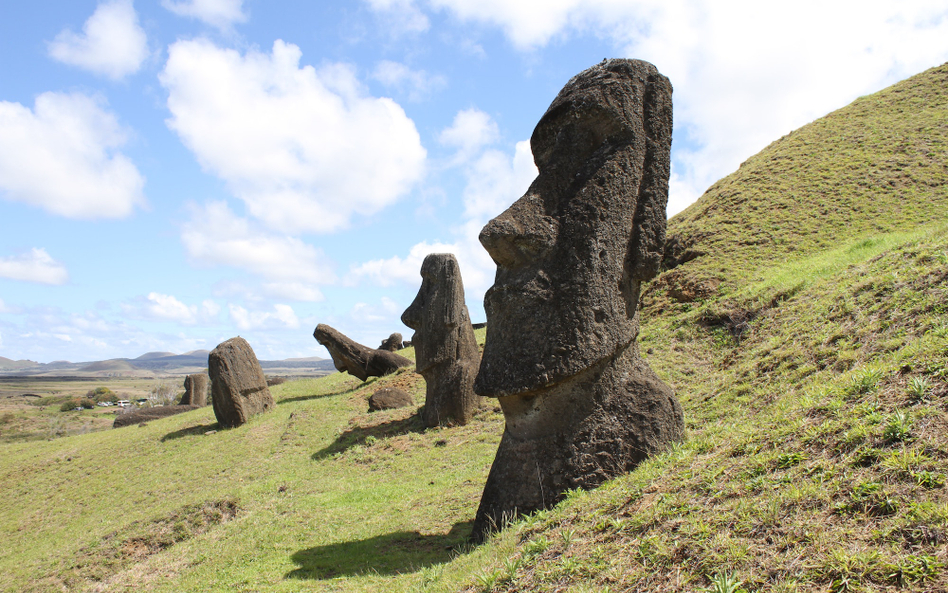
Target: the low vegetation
(803, 323)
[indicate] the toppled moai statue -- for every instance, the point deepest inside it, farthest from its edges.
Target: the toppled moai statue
(195, 390)
(580, 405)
(392, 343)
(238, 387)
(446, 352)
(141, 415)
(389, 398)
(349, 356)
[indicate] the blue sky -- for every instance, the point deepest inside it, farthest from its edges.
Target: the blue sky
(177, 172)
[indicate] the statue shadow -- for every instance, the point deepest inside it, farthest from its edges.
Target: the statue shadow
(358, 435)
(198, 430)
(393, 553)
(304, 398)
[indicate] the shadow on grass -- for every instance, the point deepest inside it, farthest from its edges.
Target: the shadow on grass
(393, 553)
(303, 398)
(358, 435)
(200, 429)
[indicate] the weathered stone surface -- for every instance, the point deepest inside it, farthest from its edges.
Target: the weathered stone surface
(445, 349)
(195, 390)
(349, 356)
(138, 416)
(392, 343)
(238, 387)
(580, 405)
(389, 398)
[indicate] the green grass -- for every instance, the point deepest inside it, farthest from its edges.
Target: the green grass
(808, 346)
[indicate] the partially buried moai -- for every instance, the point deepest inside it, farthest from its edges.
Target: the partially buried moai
(195, 390)
(580, 405)
(446, 352)
(238, 386)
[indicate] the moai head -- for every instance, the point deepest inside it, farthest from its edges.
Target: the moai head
(437, 312)
(572, 252)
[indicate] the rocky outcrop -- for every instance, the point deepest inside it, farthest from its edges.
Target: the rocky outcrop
(446, 352)
(389, 398)
(195, 390)
(349, 356)
(238, 387)
(580, 405)
(392, 343)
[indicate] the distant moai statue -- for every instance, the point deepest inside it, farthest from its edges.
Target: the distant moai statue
(580, 405)
(349, 356)
(238, 386)
(195, 390)
(446, 352)
(392, 343)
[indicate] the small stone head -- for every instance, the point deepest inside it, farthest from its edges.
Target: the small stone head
(572, 252)
(437, 311)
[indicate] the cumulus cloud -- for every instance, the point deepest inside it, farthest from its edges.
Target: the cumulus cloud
(282, 317)
(34, 266)
(165, 307)
(222, 14)
(111, 44)
(217, 236)
(730, 101)
(63, 157)
(418, 84)
(471, 130)
(305, 149)
(401, 16)
(494, 181)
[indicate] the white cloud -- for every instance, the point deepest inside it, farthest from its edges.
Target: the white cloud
(365, 313)
(386, 272)
(112, 42)
(221, 14)
(165, 307)
(305, 149)
(34, 266)
(418, 84)
(63, 157)
(282, 316)
(471, 130)
(216, 236)
(745, 73)
(495, 180)
(401, 16)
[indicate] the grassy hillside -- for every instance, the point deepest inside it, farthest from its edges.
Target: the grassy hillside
(803, 323)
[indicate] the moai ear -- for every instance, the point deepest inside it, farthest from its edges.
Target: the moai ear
(648, 233)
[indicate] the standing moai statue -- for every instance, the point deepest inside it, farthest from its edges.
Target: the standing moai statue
(349, 356)
(445, 349)
(238, 387)
(580, 404)
(195, 390)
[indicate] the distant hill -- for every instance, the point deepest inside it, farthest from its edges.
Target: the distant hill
(115, 365)
(160, 363)
(6, 363)
(154, 355)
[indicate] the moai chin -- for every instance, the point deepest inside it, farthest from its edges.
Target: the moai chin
(446, 352)
(580, 405)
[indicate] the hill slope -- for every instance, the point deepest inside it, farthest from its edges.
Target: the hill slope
(803, 321)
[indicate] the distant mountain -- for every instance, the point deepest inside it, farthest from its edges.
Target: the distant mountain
(161, 363)
(115, 365)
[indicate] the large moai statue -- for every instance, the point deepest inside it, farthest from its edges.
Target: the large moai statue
(349, 356)
(580, 405)
(238, 387)
(446, 352)
(195, 390)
